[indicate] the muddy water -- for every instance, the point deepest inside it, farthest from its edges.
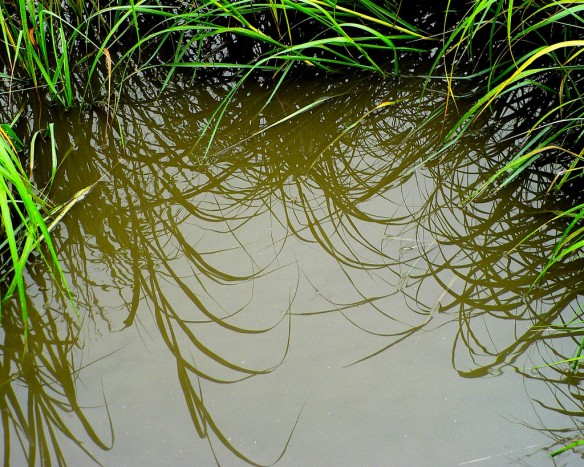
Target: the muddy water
(310, 293)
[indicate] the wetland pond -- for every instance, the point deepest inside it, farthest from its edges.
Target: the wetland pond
(314, 293)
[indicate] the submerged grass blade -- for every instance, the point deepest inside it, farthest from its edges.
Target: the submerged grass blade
(572, 445)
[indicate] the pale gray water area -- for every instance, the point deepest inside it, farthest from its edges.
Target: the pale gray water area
(313, 294)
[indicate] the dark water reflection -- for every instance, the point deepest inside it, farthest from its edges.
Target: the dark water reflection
(221, 297)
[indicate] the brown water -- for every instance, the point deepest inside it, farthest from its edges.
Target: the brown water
(308, 295)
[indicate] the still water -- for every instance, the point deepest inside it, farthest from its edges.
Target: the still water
(314, 292)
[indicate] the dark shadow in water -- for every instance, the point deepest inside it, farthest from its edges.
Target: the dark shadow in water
(176, 237)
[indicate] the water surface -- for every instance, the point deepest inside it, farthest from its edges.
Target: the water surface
(304, 294)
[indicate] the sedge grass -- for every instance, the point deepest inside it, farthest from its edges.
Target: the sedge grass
(80, 53)
(24, 214)
(530, 48)
(51, 42)
(86, 52)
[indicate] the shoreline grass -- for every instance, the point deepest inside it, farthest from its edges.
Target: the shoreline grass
(84, 54)
(24, 213)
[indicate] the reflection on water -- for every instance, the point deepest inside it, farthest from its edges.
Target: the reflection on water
(224, 267)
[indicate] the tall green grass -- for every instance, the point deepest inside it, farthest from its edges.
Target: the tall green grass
(84, 52)
(534, 49)
(24, 213)
(78, 53)
(87, 54)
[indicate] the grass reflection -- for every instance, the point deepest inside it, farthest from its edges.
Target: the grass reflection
(496, 263)
(179, 239)
(488, 258)
(39, 407)
(225, 256)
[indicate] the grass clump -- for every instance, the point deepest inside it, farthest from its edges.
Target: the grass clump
(85, 51)
(24, 213)
(523, 56)
(529, 57)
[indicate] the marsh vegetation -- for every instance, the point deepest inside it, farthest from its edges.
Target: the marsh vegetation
(226, 169)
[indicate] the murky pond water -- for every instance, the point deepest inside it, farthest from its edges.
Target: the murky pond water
(314, 294)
